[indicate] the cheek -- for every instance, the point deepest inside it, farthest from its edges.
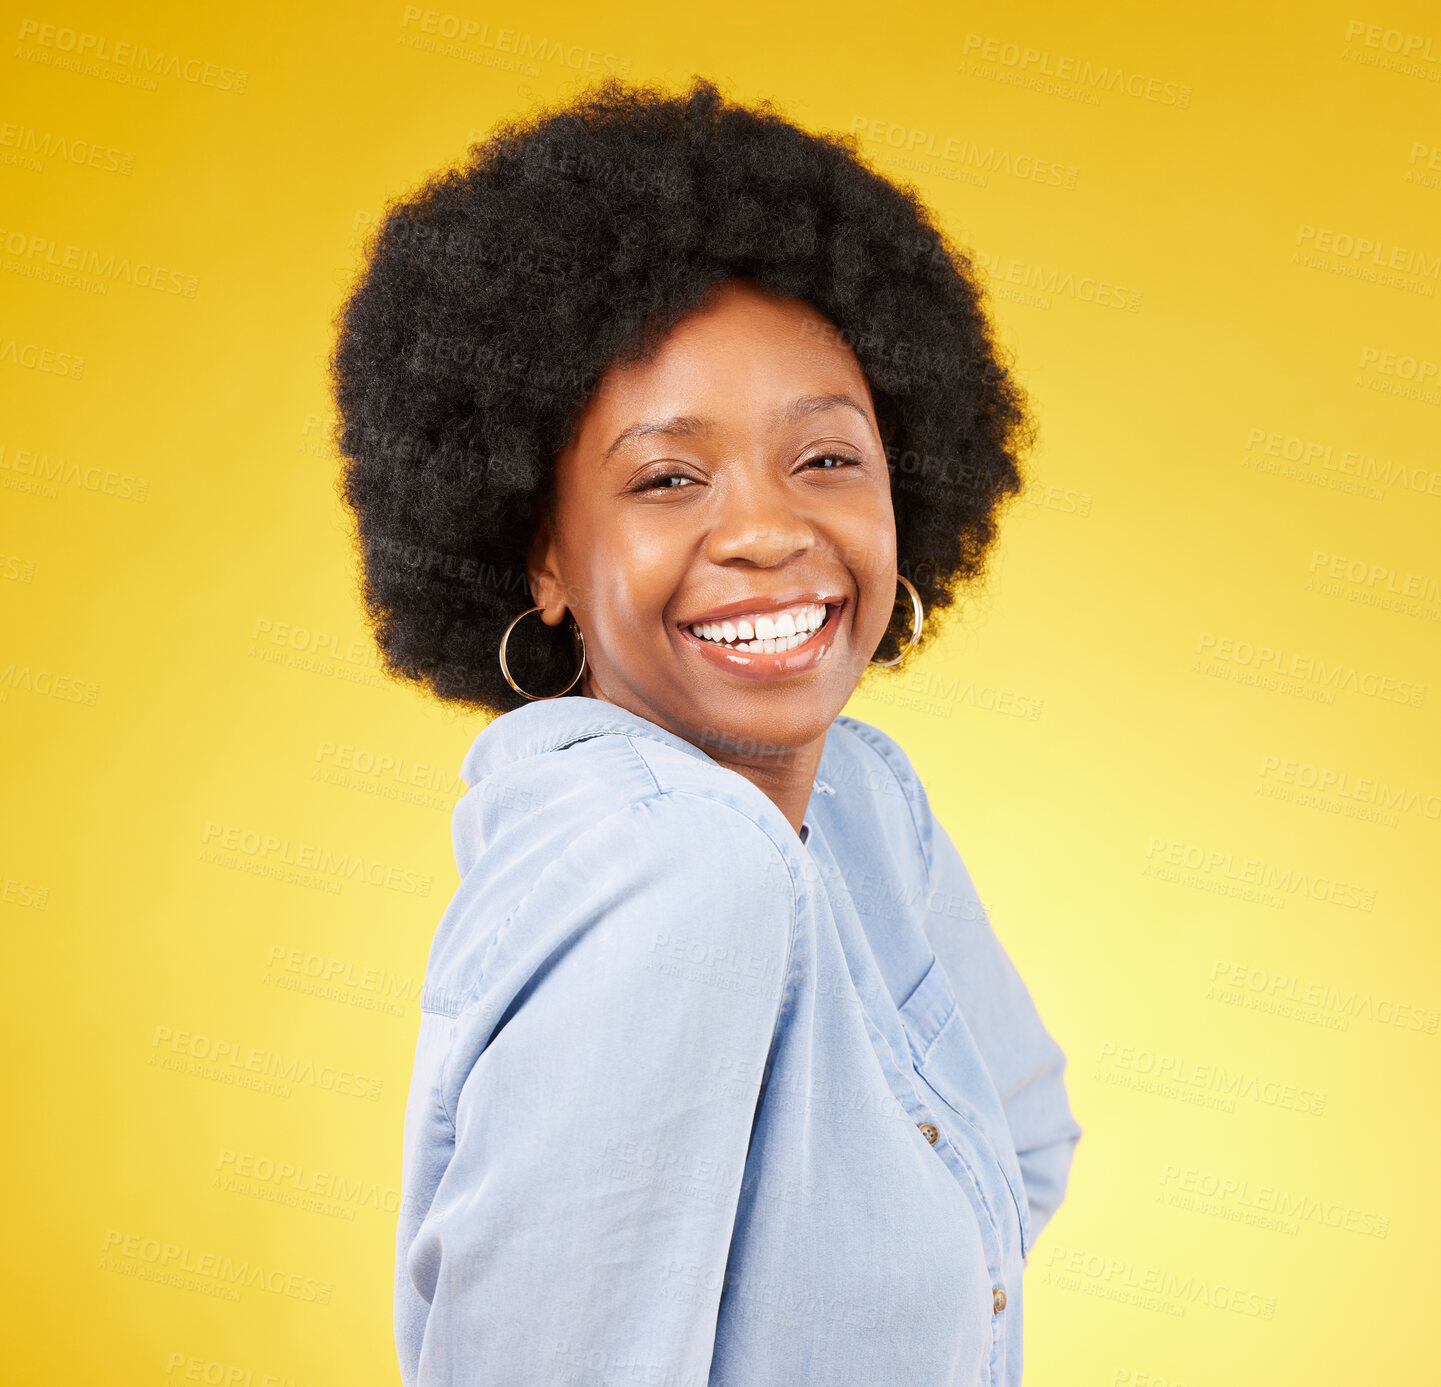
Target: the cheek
(870, 545)
(872, 562)
(633, 575)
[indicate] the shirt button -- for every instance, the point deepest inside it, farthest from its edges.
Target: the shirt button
(998, 1301)
(929, 1131)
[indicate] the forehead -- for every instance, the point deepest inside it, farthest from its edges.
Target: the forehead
(746, 354)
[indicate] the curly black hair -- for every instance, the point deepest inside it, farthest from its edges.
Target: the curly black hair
(493, 299)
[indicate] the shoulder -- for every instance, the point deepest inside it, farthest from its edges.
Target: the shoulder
(655, 848)
(662, 813)
(691, 830)
(598, 786)
(676, 856)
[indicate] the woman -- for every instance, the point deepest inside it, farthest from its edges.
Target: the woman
(722, 1075)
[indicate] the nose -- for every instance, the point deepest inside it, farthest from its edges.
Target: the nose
(757, 521)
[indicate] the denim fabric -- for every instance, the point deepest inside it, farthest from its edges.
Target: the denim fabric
(699, 1100)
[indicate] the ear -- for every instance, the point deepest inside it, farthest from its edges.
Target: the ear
(542, 567)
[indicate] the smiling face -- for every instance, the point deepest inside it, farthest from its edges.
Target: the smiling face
(722, 532)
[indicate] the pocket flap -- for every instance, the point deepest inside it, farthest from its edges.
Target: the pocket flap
(947, 1058)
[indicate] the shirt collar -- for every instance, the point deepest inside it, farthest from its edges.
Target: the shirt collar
(551, 723)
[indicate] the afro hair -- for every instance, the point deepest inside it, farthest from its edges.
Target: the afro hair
(493, 299)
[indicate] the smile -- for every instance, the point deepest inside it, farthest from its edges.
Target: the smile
(764, 644)
(766, 633)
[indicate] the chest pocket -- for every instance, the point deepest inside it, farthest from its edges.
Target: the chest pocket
(946, 1057)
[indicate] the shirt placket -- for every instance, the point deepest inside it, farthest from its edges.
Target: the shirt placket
(931, 1116)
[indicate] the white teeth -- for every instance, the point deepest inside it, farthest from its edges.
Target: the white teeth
(768, 635)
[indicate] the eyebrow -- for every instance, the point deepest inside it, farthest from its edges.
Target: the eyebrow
(678, 426)
(692, 426)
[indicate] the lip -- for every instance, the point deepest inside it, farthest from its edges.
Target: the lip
(752, 665)
(751, 604)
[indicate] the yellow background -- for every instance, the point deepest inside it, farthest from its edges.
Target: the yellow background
(184, 661)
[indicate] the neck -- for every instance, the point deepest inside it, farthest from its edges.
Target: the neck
(787, 784)
(785, 777)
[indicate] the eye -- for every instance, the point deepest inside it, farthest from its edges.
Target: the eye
(650, 483)
(838, 458)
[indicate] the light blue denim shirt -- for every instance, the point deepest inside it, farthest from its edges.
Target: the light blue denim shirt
(698, 1100)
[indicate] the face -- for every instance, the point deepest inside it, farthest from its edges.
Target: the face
(722, 530)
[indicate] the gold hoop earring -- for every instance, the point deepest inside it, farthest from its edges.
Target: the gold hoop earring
(918, 617)
(505, 667)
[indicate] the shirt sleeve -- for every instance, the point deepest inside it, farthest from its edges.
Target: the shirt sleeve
(1026, 1064)
(599, 1094)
